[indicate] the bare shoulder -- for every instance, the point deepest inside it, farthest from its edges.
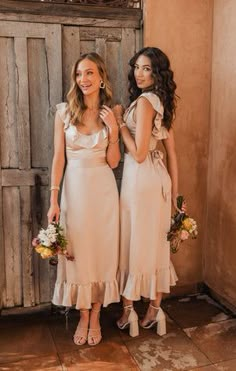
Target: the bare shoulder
(144, 105)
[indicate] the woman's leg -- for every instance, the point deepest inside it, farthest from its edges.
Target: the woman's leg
(155, 316)
(81, 333)
(129, 318)
(94, 335)
(124, 318)
(151, 312)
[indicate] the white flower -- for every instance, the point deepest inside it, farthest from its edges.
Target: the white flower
(42, 234)
(46, 242)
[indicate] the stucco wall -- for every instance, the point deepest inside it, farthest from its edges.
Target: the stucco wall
(183, 29)
(219, 248)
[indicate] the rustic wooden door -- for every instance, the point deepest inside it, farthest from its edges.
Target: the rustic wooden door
(35, 66)
(30, 75)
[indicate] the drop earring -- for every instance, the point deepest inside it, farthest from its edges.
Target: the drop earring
(102, 85)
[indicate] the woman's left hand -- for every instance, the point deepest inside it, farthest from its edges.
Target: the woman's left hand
(183, 208)
(108, 118)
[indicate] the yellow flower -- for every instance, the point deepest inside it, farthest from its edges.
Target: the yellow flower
(39, 248)
(46, 253)
(187, 224)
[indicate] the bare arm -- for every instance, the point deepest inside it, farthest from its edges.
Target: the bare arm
(58, 164)
(172, 166)
(113, 149)
(138, 146)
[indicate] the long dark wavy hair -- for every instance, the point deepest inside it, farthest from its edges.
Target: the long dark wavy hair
(75, 97)
(164, 85)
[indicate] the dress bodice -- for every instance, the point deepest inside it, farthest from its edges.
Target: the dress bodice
(79, 145)
(159, 131)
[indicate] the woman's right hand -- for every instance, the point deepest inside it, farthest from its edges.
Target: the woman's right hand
(53, 213)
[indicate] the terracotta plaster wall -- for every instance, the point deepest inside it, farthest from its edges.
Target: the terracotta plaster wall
(219, 249)
(183, 30)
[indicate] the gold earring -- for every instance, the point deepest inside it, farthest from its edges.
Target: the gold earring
(102, 85)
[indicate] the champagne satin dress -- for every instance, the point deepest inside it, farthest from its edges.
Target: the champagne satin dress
(145, 208)
(90, 218)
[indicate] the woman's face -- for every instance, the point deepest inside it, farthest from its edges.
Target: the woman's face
(87, 77)
(143, 72)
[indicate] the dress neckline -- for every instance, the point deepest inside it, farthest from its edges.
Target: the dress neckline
(89, 135)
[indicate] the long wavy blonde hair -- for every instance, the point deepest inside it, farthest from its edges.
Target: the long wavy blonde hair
(75, 97)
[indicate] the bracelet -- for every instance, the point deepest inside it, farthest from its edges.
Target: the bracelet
(123, 124)
(55, 187)
(118, 139)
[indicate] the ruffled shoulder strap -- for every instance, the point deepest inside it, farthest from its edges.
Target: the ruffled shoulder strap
(155, 102)
(62, 112)
(159, 131)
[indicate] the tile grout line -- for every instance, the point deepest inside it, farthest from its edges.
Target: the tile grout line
(123, 342)
(63, 368)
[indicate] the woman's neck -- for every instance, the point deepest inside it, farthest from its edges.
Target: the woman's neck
(92, 102)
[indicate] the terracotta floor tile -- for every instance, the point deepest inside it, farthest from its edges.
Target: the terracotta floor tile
(50, 363)
(192, 310)
(174, 351)
(20, 320)
(222, 366)
(28, 341)
(226, 366)
(107, 356)
(205, 368)
(216, 340)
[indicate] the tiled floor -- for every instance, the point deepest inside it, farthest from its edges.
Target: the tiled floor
(201, 336)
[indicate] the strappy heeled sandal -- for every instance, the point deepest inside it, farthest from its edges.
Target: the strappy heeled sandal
(94, 335)
(132, 321)
(81, 333)
(159, 321)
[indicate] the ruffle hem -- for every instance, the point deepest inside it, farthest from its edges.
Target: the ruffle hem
(132, 287)
(82, 296)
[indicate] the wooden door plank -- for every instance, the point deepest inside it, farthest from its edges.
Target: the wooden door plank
(16, 177)
(100, 47)
(91, 33)
(114, 66)
(70, 10)
(11, 229)
(30, 30)
(54, 53)
(70, 20)
(127, 51)
(70, 54)
(26, 244)
(38, 103)
(22, 103)
(54, 65)
(8, 128)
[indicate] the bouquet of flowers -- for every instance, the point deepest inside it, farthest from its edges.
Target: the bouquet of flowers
(51, 242)
(182, 227)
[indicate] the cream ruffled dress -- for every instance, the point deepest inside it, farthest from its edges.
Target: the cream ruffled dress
(90, 218)
(145, 207)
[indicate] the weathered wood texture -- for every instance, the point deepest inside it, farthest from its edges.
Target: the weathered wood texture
(70, 10)
(35, 67)
(31, 85)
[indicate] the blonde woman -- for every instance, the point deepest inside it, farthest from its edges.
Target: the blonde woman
(86, 133)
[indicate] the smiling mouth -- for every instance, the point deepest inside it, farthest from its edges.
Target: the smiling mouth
(139, 81)
(85, 86)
